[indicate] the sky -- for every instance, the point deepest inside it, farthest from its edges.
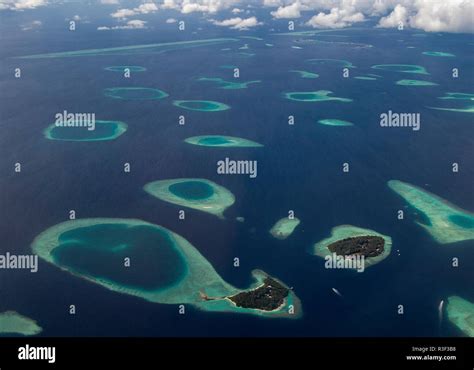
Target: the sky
(455, 16)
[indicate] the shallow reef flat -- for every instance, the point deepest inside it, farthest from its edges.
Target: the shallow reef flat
(222, 141)
(438, 54)
(91, 249)
(334, 62)
(342, 232)
(314, 96)
(200, 194)
(415, 83)
(228, 85)
(334, 122)
(305, 74)
(405, 68)
(461, 313)
(12, 322)
(122, 69)
(104, 130)
(284, 227)
(446, 222)
(134, 49)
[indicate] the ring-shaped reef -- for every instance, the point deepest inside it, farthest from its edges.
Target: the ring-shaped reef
(445, 222)
(222, 141)
(122, 69)
(201, 194)
(284, 227)
(201, 105)
(348, 233)
(334, 122)
(461, 313)
(415, 83)
(405, 68)
(134, 93)
(314, 96)
(103, 131)
(12, 322)
(168, 269)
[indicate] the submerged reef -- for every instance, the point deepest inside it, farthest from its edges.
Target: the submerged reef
(228, 85)
(446, 222)
(461, 313)
(334, 122)
(405, 68)
(415, 83)
(134, 49)
(314, 96)
(284, 227)
(222, 141)
(12, 322)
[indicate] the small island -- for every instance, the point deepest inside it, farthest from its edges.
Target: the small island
(267, 297)
(348, 240)
(415, 83)
(284, 227)
(11, 322)
(134, 93)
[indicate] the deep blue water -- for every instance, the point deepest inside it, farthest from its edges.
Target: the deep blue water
(299, 168)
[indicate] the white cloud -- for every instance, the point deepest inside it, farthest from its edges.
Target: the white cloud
(144, 8)
(236, 11)
(290, 11)
(171, 20)
(336, 18)
(123, 13)
(21, 4)
(238, 23)
(397, 16)
(109, 2)
(130, 25)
